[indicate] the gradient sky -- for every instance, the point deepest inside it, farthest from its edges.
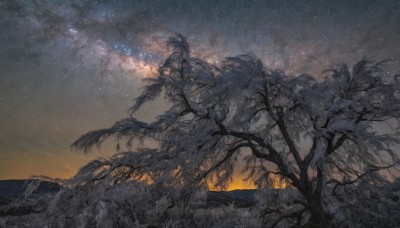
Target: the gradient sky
(68, 67)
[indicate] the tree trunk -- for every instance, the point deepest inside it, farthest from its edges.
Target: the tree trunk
(319, 218)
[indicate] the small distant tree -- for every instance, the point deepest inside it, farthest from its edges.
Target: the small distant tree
(320, 134)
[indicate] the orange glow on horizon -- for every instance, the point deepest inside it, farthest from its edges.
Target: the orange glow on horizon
(238, 183)
(278, 183)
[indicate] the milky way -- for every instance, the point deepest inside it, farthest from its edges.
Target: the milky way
(67, 67)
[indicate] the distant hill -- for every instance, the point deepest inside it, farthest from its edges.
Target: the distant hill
(240, 198)
(12, 202)
(16, 188)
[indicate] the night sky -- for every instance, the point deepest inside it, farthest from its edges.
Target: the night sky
(68, 67)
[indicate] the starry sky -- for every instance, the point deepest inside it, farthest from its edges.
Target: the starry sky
(68, 67)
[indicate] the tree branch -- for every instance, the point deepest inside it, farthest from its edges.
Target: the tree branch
(288, 139)
(338, 183)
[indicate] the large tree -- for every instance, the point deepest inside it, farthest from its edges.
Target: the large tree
(321, 134)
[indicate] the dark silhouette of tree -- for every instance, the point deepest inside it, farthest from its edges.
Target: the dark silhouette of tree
(319, 134)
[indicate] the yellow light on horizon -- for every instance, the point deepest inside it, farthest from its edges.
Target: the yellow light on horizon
(278, 183)
(238, 183)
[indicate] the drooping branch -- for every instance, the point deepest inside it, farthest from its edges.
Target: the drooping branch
(359, 176)
(229, 154)
(124, 128)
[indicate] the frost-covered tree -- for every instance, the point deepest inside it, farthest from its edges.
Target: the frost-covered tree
(323, 135)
